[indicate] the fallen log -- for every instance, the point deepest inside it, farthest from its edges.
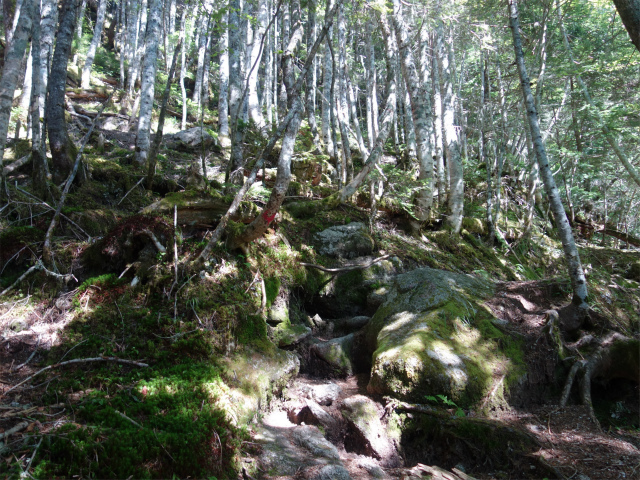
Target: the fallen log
(12, 167)
(200, 210)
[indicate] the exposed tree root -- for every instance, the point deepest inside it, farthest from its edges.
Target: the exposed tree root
(614, 356)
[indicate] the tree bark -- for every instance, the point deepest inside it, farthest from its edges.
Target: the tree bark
(95, 41)
(63, 151)
(311, 77)
(576, 273)
(157, 139)
(257, 50)
(386, 120)
(629, 11)
(147, 89)
(9, 80)
(259, 226)
(451, 136)
(40, 170)
(235, 91)
(420, 112)
(223, 100)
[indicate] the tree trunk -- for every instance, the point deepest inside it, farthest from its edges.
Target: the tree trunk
(147, 88)
(420, 112)
(9, 80)
(342, 106)
(256, 54)
(372, 89)
(223, 100)
(183, 65)
(157, 140)
(63, 151)
(259, 226)
(40, 169)
(311, 77)
(578, 280)
(236, 42)
(327, 103)
(629, 11)
(451, 136)
(385, 121)
(95, 41)
(437, 123)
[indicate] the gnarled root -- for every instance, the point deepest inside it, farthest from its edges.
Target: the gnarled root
(616, 356)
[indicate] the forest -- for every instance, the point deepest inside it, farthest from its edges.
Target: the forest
(303, 239)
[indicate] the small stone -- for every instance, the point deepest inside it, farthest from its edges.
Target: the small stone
(326, 393)
(332, 472)
(337, 353)
(367, 435)
(310, 438)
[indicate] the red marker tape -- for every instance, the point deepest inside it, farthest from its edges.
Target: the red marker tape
(267, 218)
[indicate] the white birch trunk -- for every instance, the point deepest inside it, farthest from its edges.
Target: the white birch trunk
(9, 80)
(95, 41)
(451, 137)
(147, 88)
(576, 273)
(420, 111)
(223, 100)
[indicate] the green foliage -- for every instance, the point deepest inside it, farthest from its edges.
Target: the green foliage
(183, 432)
(445, 401)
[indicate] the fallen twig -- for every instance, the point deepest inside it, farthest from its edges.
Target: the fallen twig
(18, 428)
(22, 277)
(127, 418)
(17, 164)
(345, 268)
(78, 360)
(131, 190)
(28, 359)
(26, 469)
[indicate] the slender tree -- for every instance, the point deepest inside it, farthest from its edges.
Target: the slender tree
(147, 88)
(576, 273)
(63, 151)
(420, 112)
(95, 41)
(9, 80)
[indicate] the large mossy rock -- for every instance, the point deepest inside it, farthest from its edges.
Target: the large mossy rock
(255, 378)
(433, 336)
(191, 140)
(345, 241)
(359, 291)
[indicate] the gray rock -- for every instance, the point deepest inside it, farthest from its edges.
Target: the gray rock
(353, 324)
(367, 435)
(279, 310)
(345, 241)
(325, 394)
(337, 353)
(332, 472)
(286, 334)
(190, 140)
(433, 335)
(312, 414)
(311, 439)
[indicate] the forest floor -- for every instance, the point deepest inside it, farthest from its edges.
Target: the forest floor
(71, 421)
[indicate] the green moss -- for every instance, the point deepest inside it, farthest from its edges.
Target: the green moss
(272, 288)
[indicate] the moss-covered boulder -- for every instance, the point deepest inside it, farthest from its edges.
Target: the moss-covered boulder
(345, 241)
(433, 336)
(254, 378)
(634, 271)
(473, 225)
(359, 291)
